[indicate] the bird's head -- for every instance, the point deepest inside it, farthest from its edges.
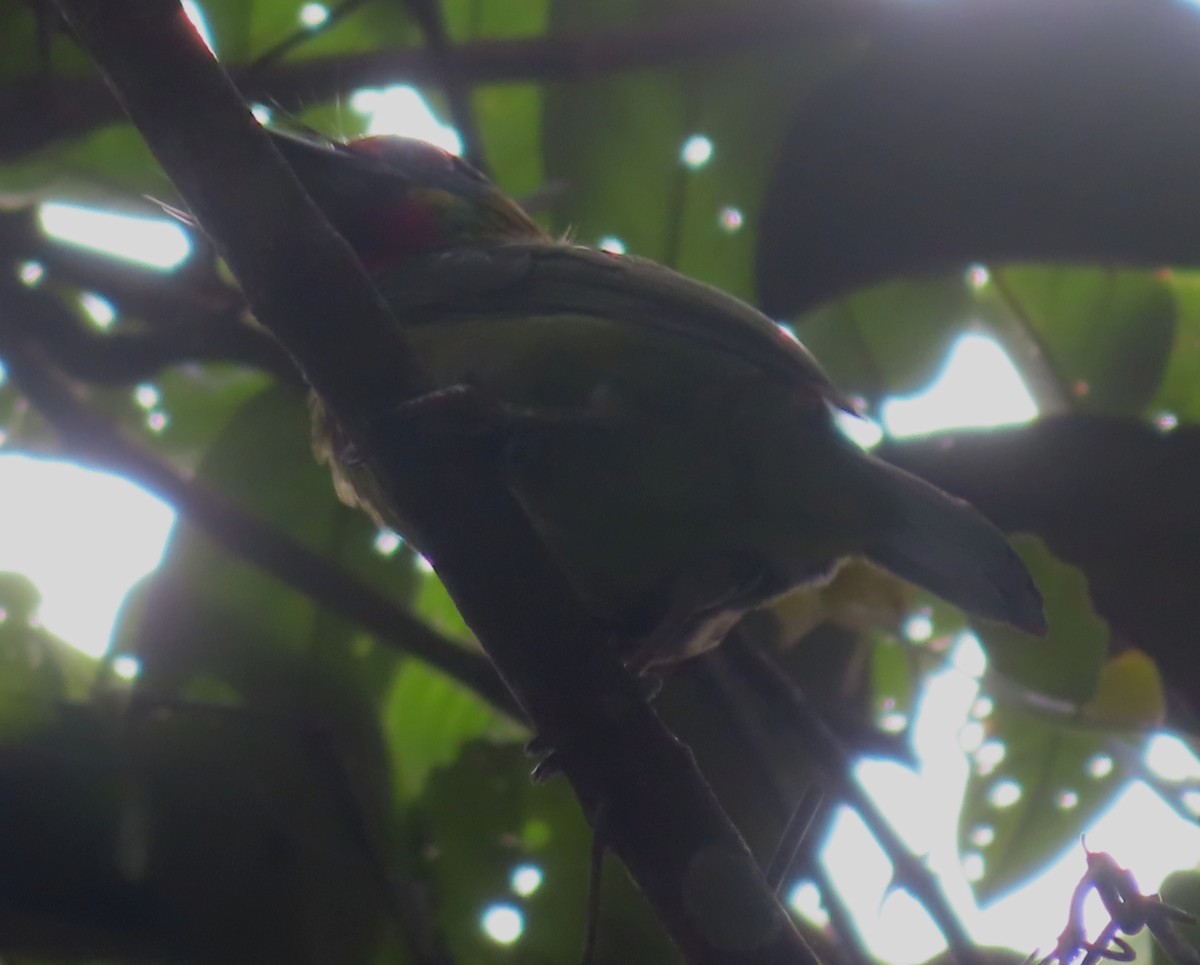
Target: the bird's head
(392, 197)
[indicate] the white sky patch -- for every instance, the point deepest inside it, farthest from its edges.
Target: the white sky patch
(863, 432)
(147, 395)
(805, 900)
(314, 14)
(387, 542)
(83, 538)
(731, 219)
(696, 152)
(98, 308)
(503, 924)
(154, 242)
(1138, 829)
(400, 109)
(1172, 759)
(192, 11)
(919, 627)
(979, 386)
(968, 656)
(31, 272)
(526, 879)
(893, 927)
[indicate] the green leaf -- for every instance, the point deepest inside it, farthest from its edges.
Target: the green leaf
(509, 116)
(1053, 769)
(483, 818)
(1182, 891)
(892, 673)
(889, 339)
(614, 143)
(214, 625)
(1107, 334)
(1064, 664)
(1178, 393)
(198, 404)
(21, 45)
(427, 718)
(1129, 693)
(433, 605)
(262, 461)
(111, 166)
(31, 682)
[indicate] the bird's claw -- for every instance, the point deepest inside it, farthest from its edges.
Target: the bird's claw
(549, 759)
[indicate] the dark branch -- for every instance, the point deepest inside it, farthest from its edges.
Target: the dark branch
(38, 112)
(304, 34)
(660, 817)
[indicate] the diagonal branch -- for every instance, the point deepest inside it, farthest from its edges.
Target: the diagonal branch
(303, 283)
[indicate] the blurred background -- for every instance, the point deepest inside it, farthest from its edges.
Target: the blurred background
(233, 721)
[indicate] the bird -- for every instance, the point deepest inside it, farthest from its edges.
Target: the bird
(675, 449)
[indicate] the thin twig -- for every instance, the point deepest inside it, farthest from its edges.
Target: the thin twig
(429, 16)
(92, 437)
(35, 114)
(794, 834)
(187, 316)
(595, 877)
(737, 701)
(423, 939)
(836, 765)
(300, 37)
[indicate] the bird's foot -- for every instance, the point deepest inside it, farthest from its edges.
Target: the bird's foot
(549, 763)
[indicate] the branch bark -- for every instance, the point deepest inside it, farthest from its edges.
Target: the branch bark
(303, 283)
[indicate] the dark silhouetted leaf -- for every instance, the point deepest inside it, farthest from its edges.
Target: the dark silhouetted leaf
(993, 131)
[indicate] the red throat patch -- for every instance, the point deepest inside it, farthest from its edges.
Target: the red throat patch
(399, 228)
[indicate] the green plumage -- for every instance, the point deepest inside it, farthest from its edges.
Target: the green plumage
(675, 450)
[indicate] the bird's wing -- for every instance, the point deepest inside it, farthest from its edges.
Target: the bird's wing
(560, 279)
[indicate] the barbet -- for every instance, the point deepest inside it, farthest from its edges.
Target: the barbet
(673, 447)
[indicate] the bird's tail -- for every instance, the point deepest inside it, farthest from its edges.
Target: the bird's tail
(946, 546)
